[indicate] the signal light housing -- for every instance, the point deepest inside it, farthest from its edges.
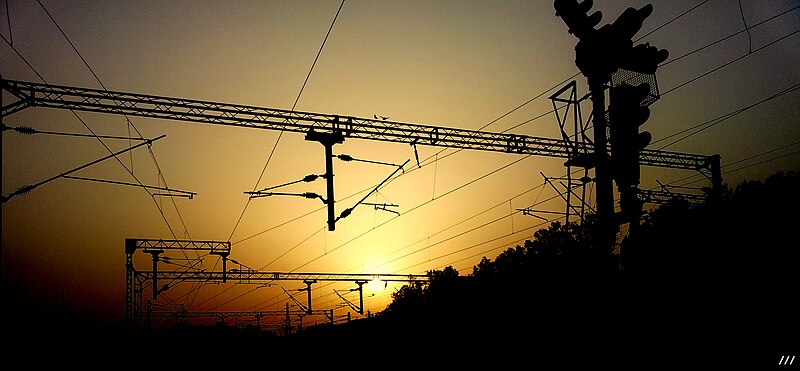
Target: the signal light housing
(576, 16)
(627, 113)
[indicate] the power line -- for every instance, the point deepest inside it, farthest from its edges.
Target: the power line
(23, 59)
(729, 63)
(8, 17)
(729, 36)
(688, 178)
(670, 21)
(272, 152)
(715, 121)
(461, 222)
(749, 36)
(762, 162)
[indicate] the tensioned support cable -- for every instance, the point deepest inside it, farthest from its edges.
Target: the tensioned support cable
(170, 191)
(30, 187)
(27, 130)
(306, 179)
(349, 210)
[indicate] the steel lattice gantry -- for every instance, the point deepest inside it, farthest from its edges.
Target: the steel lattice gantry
(29, 94)
(137, 279)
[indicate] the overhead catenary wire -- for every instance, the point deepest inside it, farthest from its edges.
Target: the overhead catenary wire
(689, 179)
(715, 121)
(671, 20)
(280, 134)
(480, 253)
(23, 58)
(749, 36)
(8, 18)
(498, 219)
(730, 62)
(729, 36)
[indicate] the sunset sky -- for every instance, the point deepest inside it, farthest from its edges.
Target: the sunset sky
(477, 65)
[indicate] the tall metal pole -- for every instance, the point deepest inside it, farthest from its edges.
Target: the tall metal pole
(329, 199)
(605, 189)
(328, 140)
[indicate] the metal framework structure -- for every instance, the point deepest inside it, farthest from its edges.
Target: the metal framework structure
(663, 197)
(137, 280)
(31, 94)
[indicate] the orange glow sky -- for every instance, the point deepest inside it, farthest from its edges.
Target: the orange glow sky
(459, 64)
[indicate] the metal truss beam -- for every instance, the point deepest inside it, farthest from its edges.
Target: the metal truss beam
(257, 276)
(238, 314)
(663, 197)
(29, 94)
(214, 247)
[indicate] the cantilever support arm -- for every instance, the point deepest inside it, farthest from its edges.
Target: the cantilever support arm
(30, 187)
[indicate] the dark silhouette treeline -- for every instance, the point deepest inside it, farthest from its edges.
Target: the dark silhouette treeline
(715, 282)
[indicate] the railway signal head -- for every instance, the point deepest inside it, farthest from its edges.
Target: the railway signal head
(642, 58)
(601, 51)
(576, 15)
(627, 114)
(630, 22)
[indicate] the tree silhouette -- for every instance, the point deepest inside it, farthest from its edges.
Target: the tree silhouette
(697, 277)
